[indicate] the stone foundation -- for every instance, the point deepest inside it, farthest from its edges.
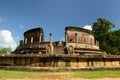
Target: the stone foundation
(59, 62)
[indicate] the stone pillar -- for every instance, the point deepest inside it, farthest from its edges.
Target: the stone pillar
(40, 40)
(50, 39)
(51, 46)
(97, 43)
(66, 38)
(40, 37)
(25, 40)
(76, 39)
(31, 39)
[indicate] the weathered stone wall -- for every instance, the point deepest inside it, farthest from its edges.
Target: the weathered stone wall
(79, 51)
(81, 38)
(33, 36)
(84, 45)
(60, 61)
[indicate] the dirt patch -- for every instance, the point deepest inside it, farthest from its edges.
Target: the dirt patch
(58, 76)
(96, 79)
(61, 79)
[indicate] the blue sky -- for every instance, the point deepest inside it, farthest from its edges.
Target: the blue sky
(53, 16)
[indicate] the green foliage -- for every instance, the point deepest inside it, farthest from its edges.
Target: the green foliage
(101, 28)
(114, 42)
(5, 50)
(109, 40)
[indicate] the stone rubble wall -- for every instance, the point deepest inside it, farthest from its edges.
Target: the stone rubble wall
(60, 61)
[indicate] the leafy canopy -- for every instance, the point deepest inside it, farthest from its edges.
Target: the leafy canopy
(5, 50)
(109, 40)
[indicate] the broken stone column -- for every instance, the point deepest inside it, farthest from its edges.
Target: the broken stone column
(51, 45)
(97, 43)
(40, 40)
(31, 39)
(76, 39)
(66, 38)
(40, 37)
(25, 40)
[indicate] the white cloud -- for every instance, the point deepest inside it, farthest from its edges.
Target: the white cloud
(88, 27)
(7, 40)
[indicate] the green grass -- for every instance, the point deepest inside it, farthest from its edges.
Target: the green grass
(18, 74)
(73, 74)
(97, 74)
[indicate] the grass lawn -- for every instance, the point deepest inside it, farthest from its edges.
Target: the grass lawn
(70, 74)
(97, 74)
(18, 74)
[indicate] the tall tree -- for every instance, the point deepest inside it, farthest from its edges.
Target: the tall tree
(102, 29)
(114, 42)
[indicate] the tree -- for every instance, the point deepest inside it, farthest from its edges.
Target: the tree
(102, 27)
(114, 42)
(102, 31)
(5, 50)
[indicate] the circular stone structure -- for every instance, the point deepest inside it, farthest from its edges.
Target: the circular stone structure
(34, 36)
(80, 38)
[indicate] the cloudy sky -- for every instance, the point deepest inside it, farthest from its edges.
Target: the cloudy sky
(17, 16)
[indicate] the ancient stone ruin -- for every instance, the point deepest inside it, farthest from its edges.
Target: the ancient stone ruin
(79, 51)
(77, 41)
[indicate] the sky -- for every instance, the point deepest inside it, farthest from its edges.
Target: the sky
(18, 16)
